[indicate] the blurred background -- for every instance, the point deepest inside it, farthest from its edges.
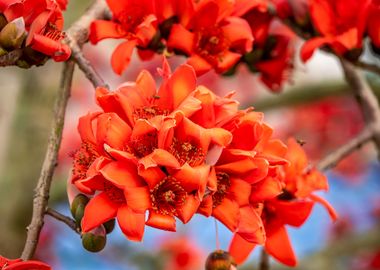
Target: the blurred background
(314, 106)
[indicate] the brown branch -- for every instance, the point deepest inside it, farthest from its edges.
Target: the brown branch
(366, 99)
(42, 190)
(264, 260)
(368, 67)
(77, 35)
(339, 154)
(65, 219)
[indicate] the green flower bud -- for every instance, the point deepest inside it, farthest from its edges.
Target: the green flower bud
(13, 34)
(220, 260)
(77, 207)
(2, 52)
(109, 225)
(95, 240)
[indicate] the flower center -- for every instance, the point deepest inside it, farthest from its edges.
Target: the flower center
(83, 158)
(186, 152)
(223, 185)
(114, 193)
(148, 112)
(211, 42)
(51, 31)
(143, 145)
(167, 196)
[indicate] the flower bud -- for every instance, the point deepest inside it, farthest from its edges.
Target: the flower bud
(3, 21)
(77, 207)
(220, 260)
(2, 52)
(109, 225)
(13, 34)
(95, 240)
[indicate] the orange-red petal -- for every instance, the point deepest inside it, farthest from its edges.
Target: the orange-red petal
(131, 223)
(163, 222)
(121, 57)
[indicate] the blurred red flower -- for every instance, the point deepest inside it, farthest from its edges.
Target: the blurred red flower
(18, 264)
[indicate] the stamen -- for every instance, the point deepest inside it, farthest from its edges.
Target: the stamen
(186, 152)
(83, 158)
(223, 186)
(167, 196)
(148, 112)
(143, 145)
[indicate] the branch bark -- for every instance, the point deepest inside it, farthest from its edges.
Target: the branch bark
(65, 219)
(339, 154)
(264, 260)
(77, 35)
(365, 98)
(42, 190)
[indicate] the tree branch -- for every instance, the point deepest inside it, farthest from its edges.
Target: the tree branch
(368, 67)
(264, 260)
(77, 35)
(339, 154)
(65, 219)
(42, 190)
(365, 98)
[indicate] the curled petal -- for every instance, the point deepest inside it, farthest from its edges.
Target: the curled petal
(163, 222)
(138, 198)
(100, 30)
(227, 213)
(121, 57)
(240, 248)
(181, 39)
(131, 223)
(189, 208)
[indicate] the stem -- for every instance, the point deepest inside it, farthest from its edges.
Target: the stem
(365, 98)
(65, 219)
(42, 190)
(77, 35)
(368, 67)
(339, 154)
(264, 260)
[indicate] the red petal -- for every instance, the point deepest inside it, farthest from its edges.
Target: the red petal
(122, 174)
(146, 84)
(227, 213)
(131, 223)
(99, 210)
(240, 190)
(189, 208)
(323, 16)
(293, 213)
(250, 226)
(159, 157)
(27, 265)
(267, 189)
(112, 130)
(239, 33)
(333, 214)
(200, 65)
(85, 127)
(240, 249)
(162, 222)
(181, 39)
(55, 49)
(179, 85)
(227, 61)
(138, 198)
(100, 30)
(311, 45)
(122, 56)
(278, 245)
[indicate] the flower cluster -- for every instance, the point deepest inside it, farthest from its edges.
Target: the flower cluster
(18, 264)
(32, 30)
(291, 206)
(211, 34)
(342, 25)
(182, 150)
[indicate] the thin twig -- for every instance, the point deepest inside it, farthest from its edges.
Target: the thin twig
(42, 190)
(264, 260)
(366, 99)
(65, 219)
(368, 67)
(339, 154)
(77, 35)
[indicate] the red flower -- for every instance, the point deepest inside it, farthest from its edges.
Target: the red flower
(373, 24)
(340, 23)
(44, 23)
(19, 264)
(134, 21)
(213, 38)
(292, 207)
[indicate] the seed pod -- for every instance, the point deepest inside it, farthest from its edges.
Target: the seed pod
(95, 240)
(109, 225)
(220, 260)
(78, 206)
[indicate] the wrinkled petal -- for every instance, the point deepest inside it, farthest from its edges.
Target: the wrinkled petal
(100, 30)
(163, 222)
(189, 208)
(250, 226)
(227, 213)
